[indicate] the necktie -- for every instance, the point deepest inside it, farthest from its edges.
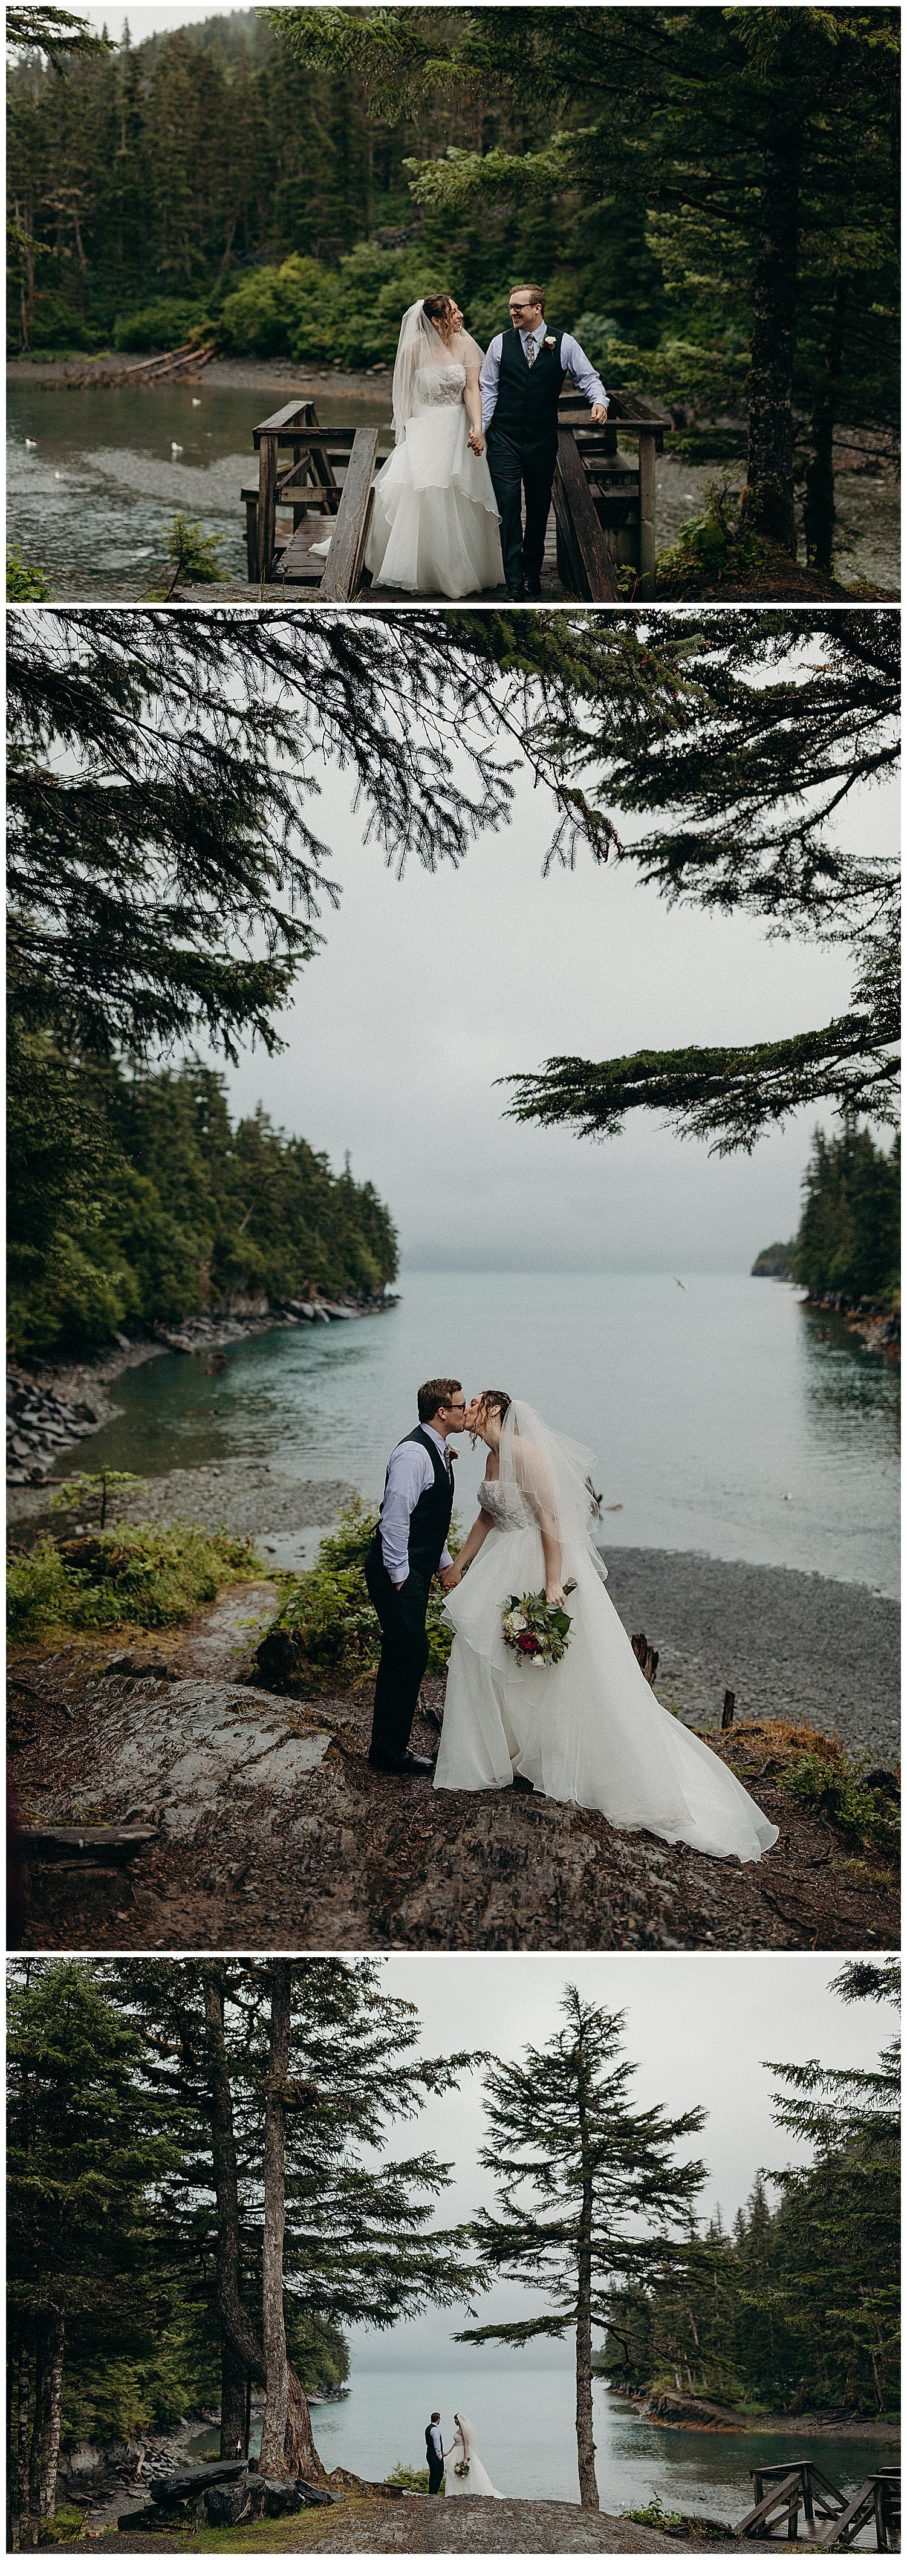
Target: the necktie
(531, 350)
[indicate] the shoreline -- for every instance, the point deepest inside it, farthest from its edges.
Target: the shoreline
(47, 1409)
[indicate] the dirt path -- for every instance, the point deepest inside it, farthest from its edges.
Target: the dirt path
(272, 1830)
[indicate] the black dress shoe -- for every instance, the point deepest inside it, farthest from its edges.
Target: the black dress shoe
(408, 1764)
(532, 594)
(516, 595)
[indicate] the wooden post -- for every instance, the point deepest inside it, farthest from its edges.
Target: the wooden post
(727, 1712)
(646, 512)
(252, 540)
(267, 506)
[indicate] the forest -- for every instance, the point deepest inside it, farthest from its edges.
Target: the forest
(710, 199)
(172, 1210)
(202, 2202)
(847, 1245)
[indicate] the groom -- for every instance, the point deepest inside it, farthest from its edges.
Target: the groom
(408, 1548)
(435, 2451)
(521, 382)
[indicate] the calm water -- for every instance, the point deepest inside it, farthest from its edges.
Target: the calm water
(723, 1418)
(524, 2424)
(91, 504)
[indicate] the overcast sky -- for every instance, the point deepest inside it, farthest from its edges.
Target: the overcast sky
(153, 21)
(431, 988)
(700, 2028)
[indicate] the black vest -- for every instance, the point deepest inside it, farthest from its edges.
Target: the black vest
(430, 1521)
(528, 394)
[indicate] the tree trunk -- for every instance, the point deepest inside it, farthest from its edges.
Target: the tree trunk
(18, 2500)
(273, 2456)
(768, 499)
(50, 2432)
(234, 2402)
(236, 2325)
(237, 2328)
(30, 2535)
(820, 475)
(585, 2441)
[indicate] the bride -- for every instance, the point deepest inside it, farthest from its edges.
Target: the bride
(586, 1730)
(473, 2482)
(434, 525)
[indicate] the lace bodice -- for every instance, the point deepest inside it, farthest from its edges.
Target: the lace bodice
(440, 386)
(505, 1505)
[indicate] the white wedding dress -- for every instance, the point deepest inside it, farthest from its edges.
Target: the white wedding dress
(434, 527)
(476, 2483)
(588, 1729)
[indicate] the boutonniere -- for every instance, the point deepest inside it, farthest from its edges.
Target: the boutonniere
(548, 342)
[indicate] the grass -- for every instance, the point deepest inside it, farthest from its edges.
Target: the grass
(671, 2520)
(128, 1576)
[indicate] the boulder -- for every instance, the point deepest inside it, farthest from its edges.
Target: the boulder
(227, 2502)
(193, 2484)
(282, 2498)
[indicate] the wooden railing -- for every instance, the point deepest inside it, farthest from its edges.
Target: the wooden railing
(783, 2491)
(604, 504)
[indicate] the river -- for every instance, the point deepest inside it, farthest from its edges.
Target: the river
(725, 1418)
(93, 479)
(523, 2418)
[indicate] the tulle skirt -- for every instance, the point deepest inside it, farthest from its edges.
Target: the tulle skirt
(434, 527)
(587, 1730)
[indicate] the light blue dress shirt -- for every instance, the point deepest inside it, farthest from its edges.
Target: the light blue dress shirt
(410, 1473)
(573, 358)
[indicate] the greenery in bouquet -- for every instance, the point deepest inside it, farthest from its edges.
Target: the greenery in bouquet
(536, 1629)
(462, 2470)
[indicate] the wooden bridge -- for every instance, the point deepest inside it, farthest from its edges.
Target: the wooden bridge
(315, 481)
(783, 2491)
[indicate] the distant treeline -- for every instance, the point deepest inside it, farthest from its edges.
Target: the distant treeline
(166, 1208)
(790, 2310)
(847, 1245)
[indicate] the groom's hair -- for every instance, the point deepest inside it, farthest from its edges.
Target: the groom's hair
(437, 1391)
(534, 291)
(435, 2415)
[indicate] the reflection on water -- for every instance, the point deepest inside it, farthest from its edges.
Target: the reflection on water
(525, 2433)
(722, 1420)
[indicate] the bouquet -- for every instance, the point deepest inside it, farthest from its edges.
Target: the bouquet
(536, 1629)
(461, 2470)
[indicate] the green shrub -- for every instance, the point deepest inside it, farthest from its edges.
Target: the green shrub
(830, 1784)
(321, 315)
(168, 322)
(328, 1616)
(24, 585)
(146, 1577)
(404, 2476)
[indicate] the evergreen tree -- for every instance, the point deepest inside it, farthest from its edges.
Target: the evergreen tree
(847, 1243)
(591, 2193)
(85, 2150)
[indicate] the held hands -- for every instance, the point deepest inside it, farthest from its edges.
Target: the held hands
(475, 441)
(452, 1574)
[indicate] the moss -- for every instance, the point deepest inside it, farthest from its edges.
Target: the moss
(144, 1577)
(858, 1799)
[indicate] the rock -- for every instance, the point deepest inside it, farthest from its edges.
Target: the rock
(282, 2498)
(227, 2501)
(142, 2520)
(139, 1666)
(195, 2484)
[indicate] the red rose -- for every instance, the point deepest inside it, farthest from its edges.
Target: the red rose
(528, 1644)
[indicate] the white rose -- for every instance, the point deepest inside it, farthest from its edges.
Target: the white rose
(537, 1660)
(517, 1621)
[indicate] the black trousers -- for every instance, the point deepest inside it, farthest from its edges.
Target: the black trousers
(404, 1653)
(516, 467)
(435, 2478)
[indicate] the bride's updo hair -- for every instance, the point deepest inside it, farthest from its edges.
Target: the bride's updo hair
(494, 1400)
(439, 307)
